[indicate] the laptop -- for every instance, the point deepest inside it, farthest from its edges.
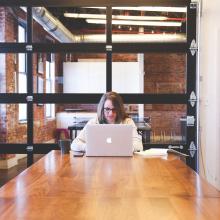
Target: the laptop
(109, 140)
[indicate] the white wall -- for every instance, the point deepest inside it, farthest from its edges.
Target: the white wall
(209, 70)
(125, 77)
(84, 77)
(65, 119)
(90, 77)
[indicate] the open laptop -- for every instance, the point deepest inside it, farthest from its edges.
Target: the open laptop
(109, 140)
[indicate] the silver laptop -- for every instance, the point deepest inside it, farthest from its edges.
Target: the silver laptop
(109, 140)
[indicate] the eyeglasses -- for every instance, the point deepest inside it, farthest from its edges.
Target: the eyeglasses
(107, 110)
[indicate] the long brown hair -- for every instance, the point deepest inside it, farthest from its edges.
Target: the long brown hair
(118, 105)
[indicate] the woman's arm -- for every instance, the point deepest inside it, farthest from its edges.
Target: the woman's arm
(79, 143)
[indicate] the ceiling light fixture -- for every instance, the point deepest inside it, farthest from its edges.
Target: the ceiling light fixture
(137, 23)
(119, 17)
(152, 8)
(149, 8)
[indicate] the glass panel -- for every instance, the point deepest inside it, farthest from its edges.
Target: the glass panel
(22, 62)
(22, 112)
(152, 73)
(70, 73)
(156, 123)
(3, 73)
(13, 130)
(159, 124)
(48, 129)
(49, 113)
(48, 86)
(13, 76)
(12, 20)
(22, 82)
(69, 25)
(167, 122)
(149, 24)
(21, 34)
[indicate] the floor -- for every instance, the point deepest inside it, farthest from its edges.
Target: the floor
(6, 175)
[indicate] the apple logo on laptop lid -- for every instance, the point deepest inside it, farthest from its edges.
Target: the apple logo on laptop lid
(108, 140)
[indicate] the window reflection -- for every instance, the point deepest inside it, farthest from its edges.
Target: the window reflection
(12, 129)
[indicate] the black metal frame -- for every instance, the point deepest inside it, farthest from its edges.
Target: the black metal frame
(69, 3)
(192, 85)
(30, 148)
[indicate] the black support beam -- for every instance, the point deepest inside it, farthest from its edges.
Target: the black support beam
(69, 3)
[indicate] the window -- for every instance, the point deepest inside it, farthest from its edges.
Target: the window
(22, 74)
(50, 80)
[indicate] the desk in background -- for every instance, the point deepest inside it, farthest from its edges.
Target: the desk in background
(75, 127)
(66, 187)
(143, 129)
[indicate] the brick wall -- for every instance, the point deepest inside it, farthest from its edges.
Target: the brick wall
(11, 130)
(165, 73)
(165, 119)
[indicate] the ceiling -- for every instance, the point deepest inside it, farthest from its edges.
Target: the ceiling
(81, 26)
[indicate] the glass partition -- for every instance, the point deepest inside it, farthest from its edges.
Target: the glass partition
(13, 24)
(13, 123)
(69, 73)
(148, 24)
(13, 73)
(167, 121)
(69, 25)
(152, 73)
(60, 121)
(88, 24)
(159, 123)
(155, 123)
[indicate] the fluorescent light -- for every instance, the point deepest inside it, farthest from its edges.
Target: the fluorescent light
(138, 23)
(119, 17)
(76, 15)
(152, 8)
(149, 8)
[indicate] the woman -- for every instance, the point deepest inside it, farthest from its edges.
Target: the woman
(110, 111)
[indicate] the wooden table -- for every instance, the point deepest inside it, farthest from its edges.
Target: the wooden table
(62, 187)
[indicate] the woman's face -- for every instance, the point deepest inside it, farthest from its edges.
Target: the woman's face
(110, 112)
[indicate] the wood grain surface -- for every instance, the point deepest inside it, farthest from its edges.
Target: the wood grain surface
(66, 187)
